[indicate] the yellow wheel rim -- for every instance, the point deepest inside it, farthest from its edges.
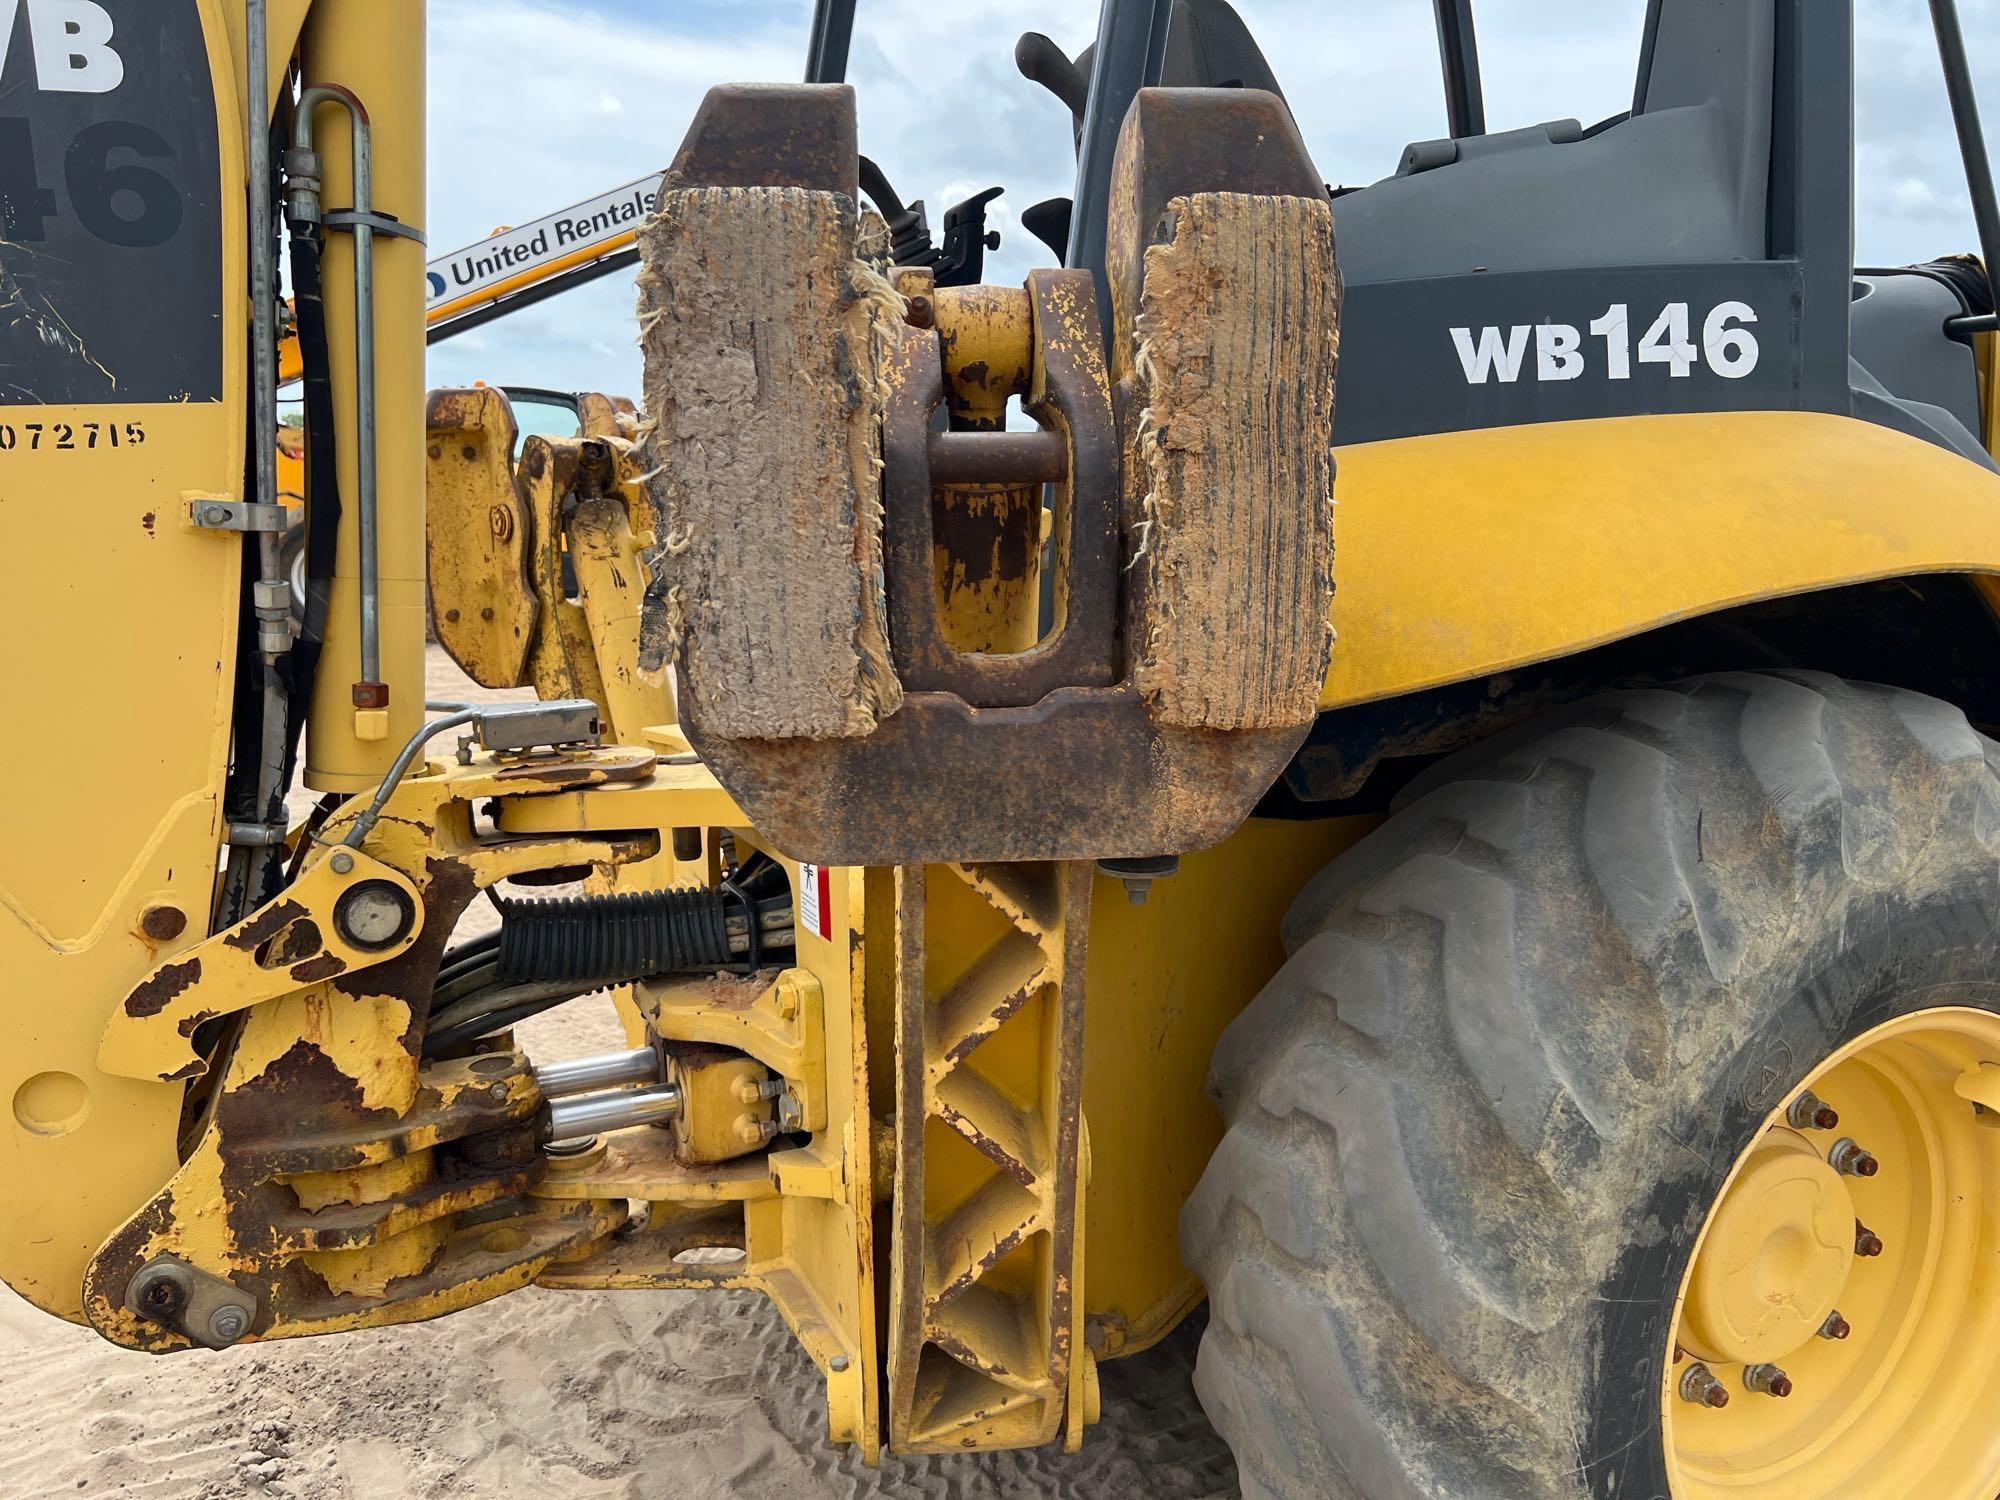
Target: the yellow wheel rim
(1759, 1394)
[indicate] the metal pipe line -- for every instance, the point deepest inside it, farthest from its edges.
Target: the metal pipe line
(251, 864)
(360, 225)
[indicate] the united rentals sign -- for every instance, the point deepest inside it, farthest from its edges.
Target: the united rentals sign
(573, 236)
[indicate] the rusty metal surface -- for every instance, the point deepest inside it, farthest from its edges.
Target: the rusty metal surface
(1176, 142)
(333, 1178)
(1047, 752)
(771, 135)
(1069, 396)
(1016, 458)
(983, 1294)
(477, 536)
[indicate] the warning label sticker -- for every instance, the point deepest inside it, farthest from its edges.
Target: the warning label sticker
(816, 900)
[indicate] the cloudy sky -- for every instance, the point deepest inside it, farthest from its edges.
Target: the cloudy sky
(537, 104)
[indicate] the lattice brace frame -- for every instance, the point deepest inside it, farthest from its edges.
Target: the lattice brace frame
(989, 1055)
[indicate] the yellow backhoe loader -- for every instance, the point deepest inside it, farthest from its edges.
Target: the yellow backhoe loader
(1536, 973)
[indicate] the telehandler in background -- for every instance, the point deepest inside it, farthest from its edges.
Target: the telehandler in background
(1587, 916)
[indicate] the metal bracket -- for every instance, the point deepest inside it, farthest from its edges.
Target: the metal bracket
(170, 1292)
(213, 513)
(350, 219)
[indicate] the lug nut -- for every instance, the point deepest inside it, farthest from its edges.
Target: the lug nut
(1835, 1326)
(1768, 1379)
(1850, 1160)
(1866, 1241)
(1810, 1112)
(1700, 1387)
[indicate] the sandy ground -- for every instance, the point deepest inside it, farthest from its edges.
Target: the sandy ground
(545, 1394)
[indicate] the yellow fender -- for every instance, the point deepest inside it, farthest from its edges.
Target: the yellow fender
(1468, 553)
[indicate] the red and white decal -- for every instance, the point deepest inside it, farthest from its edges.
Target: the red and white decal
(816, 900)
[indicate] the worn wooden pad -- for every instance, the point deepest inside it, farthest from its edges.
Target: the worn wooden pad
(764, 339)
(1238, 337)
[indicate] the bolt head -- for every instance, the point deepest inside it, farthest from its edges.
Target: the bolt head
(1866, 1241)
(229, 1323)
(1866, 1165)
(163, 923)
(1824, 1118)
(1835, 1326)
(837, 1364)
(1699, 1386)
(497, 1092)
(343, 863)
(1769, 1379)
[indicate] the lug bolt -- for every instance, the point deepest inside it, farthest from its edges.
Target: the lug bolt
(1835, 1326)
(1700, 1387)
(1850, 1160)
(1810, 1112)
(1769, 1379)
(1866, 1241)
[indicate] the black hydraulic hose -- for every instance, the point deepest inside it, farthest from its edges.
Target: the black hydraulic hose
(551, 951)
(495, 1010)
(322, 476)
(609, 938)
(876, 185)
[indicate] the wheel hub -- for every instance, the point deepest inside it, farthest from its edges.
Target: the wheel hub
(1776, 1256)
(1838, 1328)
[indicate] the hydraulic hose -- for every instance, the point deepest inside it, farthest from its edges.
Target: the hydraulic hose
(605, 939)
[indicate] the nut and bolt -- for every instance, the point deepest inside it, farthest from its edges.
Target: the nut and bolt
(1700, 1387)
(918, 313)
(164, 1296)
(1810, 1112)
(1850, 1159)
(1768, 1379)
(1866, 1241)
(497, 1092)
(215, 515)
(228, 1323)
(1835, 1326)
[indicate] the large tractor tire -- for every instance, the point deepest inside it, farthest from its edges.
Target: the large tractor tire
(1521, 1195)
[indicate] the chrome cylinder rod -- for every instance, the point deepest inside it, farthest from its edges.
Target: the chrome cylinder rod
(607, 1070)
(599, 1114)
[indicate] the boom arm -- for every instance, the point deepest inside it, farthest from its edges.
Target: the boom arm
(517, 267)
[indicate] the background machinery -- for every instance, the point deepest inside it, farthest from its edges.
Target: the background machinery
(1587, 917)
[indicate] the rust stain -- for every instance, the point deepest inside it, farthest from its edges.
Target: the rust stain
(267, 923)
(150, 520)
(325, 966)
(157, 993)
